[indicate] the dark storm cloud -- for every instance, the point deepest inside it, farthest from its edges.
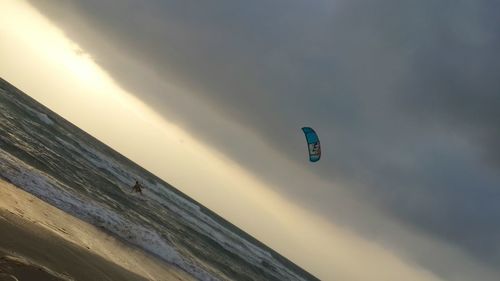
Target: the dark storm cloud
(405, 95)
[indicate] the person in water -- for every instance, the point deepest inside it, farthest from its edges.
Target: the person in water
(137, 187)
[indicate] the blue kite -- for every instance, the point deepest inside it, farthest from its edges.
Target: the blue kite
(313, 144)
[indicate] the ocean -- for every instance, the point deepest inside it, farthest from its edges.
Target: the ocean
(47, 156)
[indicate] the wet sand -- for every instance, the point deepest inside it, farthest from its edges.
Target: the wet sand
(12, 268)
(40, 242)
(33, 247)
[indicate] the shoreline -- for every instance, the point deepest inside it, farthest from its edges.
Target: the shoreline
(43, 236)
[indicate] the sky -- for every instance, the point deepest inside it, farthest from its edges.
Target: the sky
(211, 97)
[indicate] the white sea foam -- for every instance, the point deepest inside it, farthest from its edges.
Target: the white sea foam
(46, 119)
(42, 116)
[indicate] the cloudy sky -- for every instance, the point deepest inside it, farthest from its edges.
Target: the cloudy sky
(405, 97)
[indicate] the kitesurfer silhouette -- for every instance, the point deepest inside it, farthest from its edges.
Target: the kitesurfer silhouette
(137, 187)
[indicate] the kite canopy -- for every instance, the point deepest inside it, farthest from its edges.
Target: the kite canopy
(312, 143)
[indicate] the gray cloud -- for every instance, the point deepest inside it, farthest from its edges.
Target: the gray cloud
(405, 96)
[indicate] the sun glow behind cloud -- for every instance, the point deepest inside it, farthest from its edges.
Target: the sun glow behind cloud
(37, 57)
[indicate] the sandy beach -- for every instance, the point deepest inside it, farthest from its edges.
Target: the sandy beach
(40, 242)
